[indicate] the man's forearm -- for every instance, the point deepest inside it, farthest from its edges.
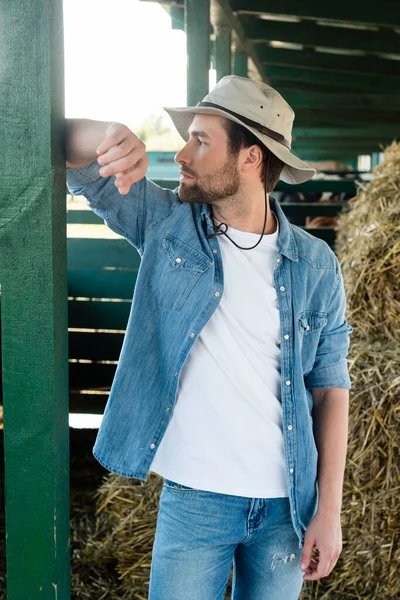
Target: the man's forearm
(82, 137)
(330, 414)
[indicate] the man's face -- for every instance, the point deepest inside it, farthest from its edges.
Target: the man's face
(208, 172)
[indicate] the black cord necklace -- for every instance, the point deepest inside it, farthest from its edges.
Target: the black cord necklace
(219, 231)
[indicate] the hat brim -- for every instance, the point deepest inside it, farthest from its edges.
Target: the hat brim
(295, 170)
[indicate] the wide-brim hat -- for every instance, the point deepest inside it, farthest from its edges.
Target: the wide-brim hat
(259, 108)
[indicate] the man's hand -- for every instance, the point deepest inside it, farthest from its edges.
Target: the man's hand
(122, 154)
(324, 534)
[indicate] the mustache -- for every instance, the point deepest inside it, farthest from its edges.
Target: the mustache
(187, 172)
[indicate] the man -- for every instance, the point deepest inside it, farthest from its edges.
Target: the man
(237, 334)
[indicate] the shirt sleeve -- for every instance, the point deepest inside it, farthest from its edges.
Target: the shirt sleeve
(129, 215)
(330, 366)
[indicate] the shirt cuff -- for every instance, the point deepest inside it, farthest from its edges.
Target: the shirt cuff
(78, 177)
(329, 377)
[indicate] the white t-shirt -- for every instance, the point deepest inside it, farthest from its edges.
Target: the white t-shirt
(225, 434)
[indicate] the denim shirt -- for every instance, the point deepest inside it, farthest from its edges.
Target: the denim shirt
(173, 301)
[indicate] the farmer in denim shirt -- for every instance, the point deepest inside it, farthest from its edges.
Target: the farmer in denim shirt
(232, 382)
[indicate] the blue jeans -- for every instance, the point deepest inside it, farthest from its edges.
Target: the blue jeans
(200, 534)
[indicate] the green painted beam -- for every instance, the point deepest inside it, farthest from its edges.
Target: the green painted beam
(197, 27)
(334, 143)
(361, 100)
(223, 55)
(224, 7)
(334, 152)
(311, 59)
(386, 13)
(354, 81)
(239, 64)
(320, 117)
(177, 18)
(310, 33)
(285, 86)
(34, 301)
(370, 132)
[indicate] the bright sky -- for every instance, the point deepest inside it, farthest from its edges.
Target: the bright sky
(123, 60)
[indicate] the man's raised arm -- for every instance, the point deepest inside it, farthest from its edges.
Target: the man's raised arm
(107, 165)
(118, 150)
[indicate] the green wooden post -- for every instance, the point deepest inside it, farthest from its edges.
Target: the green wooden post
(240, 63)
(223, 40)
(34, 300)
(197, 27)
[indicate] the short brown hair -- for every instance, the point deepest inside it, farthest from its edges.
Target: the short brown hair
(239, 137)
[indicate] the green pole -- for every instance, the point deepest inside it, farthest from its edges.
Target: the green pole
(197, 27)
(33, 288)
(240, 64)
(223, 40)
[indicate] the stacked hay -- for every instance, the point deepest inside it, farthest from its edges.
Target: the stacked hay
(112, 554)
(369, 251)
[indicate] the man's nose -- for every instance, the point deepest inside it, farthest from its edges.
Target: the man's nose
(182, 157)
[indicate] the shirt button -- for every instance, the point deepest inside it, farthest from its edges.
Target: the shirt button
(178, 260)
(282, 288)
(290, 470)
(214, 251)
(167, 409)
(152, 446)
(288, 382)
(294, 512)
(290, 427)
(286, 337)
(192, 334)
(216, 294)
(278, 260)
(176, 373)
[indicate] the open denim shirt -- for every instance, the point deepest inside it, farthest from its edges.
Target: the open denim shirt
(173, 301)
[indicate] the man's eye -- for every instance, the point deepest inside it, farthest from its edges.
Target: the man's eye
(200, 142)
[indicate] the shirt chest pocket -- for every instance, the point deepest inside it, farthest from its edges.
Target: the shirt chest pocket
(310, 324)
(178, 268)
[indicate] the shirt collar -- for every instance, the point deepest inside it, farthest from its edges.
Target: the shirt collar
(287, 243)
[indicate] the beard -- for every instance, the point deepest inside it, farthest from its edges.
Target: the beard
(224, 182)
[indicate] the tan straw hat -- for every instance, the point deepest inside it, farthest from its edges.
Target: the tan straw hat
(257, 107)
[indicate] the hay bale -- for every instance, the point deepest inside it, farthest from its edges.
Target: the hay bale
(368, 247)
(370, 562)
(113, 562)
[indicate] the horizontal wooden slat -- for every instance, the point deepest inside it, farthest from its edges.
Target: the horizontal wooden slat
(311, 209)
(309, 33)
(94, 346)
(385, 13)
(84, 217)
(83, 253)
(376, 132)
(98, 315)
(353, 81)
(338, 63)
(101, 283)
(365, 100)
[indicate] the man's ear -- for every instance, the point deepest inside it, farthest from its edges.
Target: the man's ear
(252, 159)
